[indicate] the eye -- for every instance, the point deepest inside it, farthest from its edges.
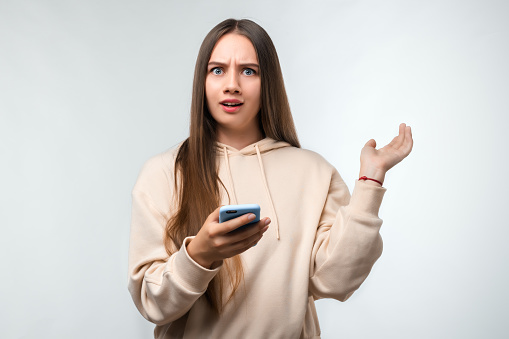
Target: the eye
(249, 71)
(216, 71)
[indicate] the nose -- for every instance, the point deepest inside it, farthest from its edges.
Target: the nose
(232, 84)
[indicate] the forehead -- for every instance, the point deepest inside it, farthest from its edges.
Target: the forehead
(236, 47)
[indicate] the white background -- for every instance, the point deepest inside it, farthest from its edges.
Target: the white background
(89, 90)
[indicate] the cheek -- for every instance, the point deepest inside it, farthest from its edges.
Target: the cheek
(254, 90)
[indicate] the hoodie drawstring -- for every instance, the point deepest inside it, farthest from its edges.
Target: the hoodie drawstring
(265, 185)
(230, 175)
(262, 171)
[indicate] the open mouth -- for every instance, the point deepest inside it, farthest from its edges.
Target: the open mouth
(231, 104)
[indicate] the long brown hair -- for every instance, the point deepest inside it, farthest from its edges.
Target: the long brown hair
(196, 180)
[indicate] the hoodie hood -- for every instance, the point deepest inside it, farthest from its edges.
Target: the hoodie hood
(263, 145)
(257, 148)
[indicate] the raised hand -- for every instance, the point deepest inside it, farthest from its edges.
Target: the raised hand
(375, 163)
(217, 241)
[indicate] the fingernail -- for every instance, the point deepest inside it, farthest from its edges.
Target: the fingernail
(251, 216)
(267, 221)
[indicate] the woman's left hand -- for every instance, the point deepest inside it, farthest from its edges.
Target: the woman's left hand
(375, 163)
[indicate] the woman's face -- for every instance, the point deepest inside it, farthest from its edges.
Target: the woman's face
(232, 85)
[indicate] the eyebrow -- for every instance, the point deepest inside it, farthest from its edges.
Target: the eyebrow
(212, 63)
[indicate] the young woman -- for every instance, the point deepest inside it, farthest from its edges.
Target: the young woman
(197, 278)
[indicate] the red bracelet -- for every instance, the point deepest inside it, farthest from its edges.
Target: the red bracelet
(366, 178)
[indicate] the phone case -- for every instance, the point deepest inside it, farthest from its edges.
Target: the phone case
(233, 211)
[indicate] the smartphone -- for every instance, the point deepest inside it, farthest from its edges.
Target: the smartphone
(233, 211)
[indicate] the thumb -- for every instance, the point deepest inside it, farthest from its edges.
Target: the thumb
(371, 143)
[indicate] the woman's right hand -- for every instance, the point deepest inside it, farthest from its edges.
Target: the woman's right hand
(217, 241)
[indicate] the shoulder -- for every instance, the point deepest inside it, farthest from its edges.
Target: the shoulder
(302, 163)
(157, 172)
(163, 161)
(303, 157)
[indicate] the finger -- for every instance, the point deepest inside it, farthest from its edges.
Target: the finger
(394, 142)
(217, 228)
(407, 144)
(235, 223)
(400, 139)
(247, 231)
(214, 216)
(403, 131)
(409, 141)
(236, 237)
(371, 143)
(248, 242)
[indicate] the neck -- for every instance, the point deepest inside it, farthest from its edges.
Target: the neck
(237, 139)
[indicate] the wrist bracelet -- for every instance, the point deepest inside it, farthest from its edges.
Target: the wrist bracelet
(366, 178)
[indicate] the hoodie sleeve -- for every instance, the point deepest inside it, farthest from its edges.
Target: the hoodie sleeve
(163, 287)
(347, 242)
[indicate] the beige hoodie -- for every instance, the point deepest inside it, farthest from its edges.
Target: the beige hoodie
(321, 243)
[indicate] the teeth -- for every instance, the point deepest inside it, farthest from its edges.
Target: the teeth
(230, 104)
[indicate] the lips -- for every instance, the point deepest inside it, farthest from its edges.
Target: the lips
(231, 105)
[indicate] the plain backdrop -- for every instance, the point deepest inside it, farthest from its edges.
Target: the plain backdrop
(89, 90)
